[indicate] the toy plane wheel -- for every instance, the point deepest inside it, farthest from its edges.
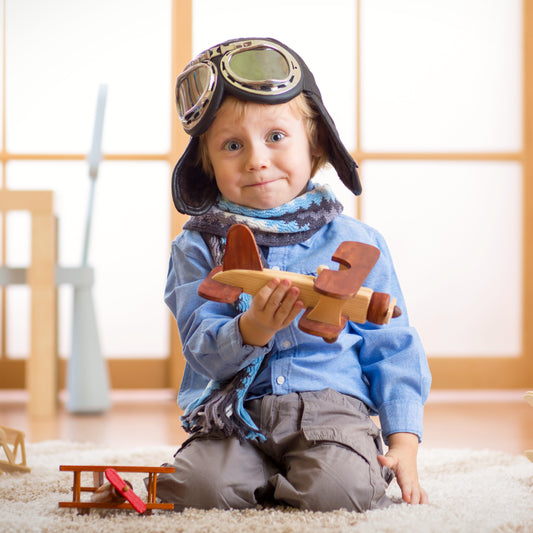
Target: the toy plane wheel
(380, 311)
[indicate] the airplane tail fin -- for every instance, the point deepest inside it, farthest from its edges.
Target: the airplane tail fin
(241, 249)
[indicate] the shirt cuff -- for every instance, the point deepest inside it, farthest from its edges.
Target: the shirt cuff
(401, 416)
(231, 344)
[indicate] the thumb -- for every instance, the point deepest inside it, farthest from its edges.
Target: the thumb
(390, 462)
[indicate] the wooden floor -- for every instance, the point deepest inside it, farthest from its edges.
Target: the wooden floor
(499, 420)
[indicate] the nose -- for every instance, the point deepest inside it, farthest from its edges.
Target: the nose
(257, 157)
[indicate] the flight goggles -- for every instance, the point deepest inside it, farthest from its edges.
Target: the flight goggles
(258, 70)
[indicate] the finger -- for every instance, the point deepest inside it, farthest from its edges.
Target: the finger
(284, 317)
(294, 308)
(421, 496)
(286, 310)
(415, 495)
(264, 294)
(278, 295)
(411, 495)
(289, 299)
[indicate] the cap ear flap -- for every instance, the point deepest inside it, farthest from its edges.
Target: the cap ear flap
(193, 191)
(338, 156)
(342, 161)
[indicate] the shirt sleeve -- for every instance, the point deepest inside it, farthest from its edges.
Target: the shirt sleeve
(209, 331)
(393, 360)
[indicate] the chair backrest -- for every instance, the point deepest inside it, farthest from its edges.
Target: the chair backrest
(41, 367)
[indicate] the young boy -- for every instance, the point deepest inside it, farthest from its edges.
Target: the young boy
(279, 416)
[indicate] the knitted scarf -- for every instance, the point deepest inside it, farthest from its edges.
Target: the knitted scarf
(220, 409)
(291, 223)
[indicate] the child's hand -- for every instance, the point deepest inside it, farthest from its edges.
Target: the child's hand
(401, 459)
(273, 308)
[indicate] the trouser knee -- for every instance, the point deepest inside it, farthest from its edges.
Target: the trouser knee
(332, 476)
(214, 473)
(326, 494)
(186, 488)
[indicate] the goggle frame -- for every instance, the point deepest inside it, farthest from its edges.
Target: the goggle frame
(217, 60)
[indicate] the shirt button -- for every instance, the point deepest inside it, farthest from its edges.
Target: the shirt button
(280, 380)
(286, 344)
(275, 268)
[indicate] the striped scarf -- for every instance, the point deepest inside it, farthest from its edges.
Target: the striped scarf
(293, 222)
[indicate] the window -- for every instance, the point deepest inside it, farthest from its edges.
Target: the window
(56, 55)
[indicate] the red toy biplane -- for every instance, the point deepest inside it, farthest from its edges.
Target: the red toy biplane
(117, 494)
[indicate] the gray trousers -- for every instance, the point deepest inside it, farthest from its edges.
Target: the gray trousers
(320, 454)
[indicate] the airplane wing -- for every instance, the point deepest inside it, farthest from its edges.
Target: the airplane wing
(357, 260)
(124, 490)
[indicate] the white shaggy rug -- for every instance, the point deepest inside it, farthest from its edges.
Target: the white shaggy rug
(470, 491)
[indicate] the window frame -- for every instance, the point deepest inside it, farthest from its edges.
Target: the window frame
(448, 372)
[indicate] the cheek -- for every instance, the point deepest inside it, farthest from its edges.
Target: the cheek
(225, 180)
(301, 160)
(221, 170)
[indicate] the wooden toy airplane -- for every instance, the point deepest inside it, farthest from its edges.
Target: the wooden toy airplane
(12, 437)
(331, 298)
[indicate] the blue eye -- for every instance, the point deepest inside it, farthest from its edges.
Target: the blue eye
(232, 146)
(276, 136)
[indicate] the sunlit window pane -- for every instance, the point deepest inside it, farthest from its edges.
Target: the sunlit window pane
(1, 75)
(128, 248)
(57, 54)
(18, 321)
(70, 183)
(455, 233)
(444, 75)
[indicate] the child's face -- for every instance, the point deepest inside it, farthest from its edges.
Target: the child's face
(261, 158)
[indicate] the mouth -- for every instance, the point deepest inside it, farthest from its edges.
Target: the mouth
(262, 183)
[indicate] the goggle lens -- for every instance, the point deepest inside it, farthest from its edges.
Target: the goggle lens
(259, 65)
(193, 87)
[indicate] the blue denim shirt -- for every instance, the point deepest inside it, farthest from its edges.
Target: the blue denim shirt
(384, 366)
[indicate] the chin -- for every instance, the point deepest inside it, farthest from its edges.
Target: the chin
(267, 205)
